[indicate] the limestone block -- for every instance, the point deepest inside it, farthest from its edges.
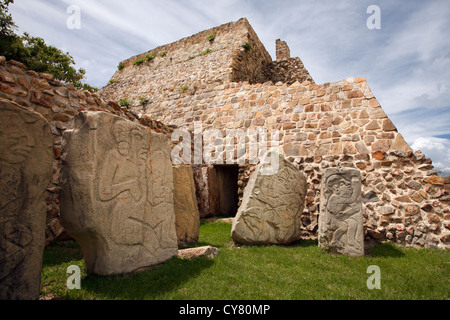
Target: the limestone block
(25, 173)
(271, 207)
(341, 214)
(194, 253)
(186, 207)
(117, 193)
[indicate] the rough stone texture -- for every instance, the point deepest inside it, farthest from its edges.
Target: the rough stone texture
(341, 216)
(25, 172)
(117, 193)
(272, 207)
(282, 50)
(57, 102)
(186, 207)
(338, 124)
(195, 63)
(194, 253)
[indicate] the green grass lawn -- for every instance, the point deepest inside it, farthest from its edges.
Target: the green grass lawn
(298, 272)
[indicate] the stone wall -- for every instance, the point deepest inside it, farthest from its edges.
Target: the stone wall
(282, 50)
(58, 102)
(195, 63)
(328, 125)
(287, 71)
(211, 79)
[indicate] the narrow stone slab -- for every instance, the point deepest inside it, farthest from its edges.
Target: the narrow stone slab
(194, 253)
(186, 207)
(341, 214)
(271, 207)
(117, 193)
(25, 173)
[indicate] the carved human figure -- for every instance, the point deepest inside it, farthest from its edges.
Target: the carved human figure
(342, 206)
(15, 147)
(118, 212)
(122, 180)
(160, 200)
(25, 172)
(341, 212)
(272, 205)
(275, 194)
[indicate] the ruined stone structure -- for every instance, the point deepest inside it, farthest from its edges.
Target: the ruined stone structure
(224, 78)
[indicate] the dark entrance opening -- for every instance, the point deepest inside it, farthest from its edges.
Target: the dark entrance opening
(227, 189)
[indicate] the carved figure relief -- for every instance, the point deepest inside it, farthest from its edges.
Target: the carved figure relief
(25, 172)
(341, 228)
(272, 207)
(130, 218)
(122, 180)
(16, 145)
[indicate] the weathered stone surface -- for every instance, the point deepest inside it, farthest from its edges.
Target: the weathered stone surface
(341, 214)
(186, 207)
(25, 172)
(194, 253)
(117, 193)
(272, 206)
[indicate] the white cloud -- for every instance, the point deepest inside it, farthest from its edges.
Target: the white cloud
(437, 149)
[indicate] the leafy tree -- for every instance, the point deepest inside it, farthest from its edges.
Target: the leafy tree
(36, 54)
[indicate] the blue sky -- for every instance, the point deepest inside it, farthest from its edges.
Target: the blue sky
(406, 62)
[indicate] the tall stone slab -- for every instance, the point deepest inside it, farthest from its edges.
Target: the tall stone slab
(186, 207)
(272, 206)
(341, 215)
(117, 193)
(25, 173)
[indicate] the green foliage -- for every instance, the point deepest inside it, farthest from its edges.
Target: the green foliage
(212, 37)
(138, 62)
(124, 102)
(36, 54)
(204, 53)
(183, 89)
(143, 101)
(148, 58)
(247, 46)
(7, 24)
(112, 81)
(208, 51)
(163, 54)
(120, 66)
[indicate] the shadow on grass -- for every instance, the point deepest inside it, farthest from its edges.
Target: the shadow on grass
(150, 284)
(385, 250)
(61, 252)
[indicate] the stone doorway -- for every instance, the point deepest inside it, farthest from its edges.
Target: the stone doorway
(226, 177)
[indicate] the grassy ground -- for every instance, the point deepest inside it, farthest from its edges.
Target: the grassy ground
(299, 272)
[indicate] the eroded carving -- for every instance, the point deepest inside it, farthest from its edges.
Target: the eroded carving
(341, 220)
(272, 206)
(25, 172)
(128, 222)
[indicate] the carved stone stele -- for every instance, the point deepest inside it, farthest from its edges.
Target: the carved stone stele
(25, 172)
(186, 207)
(272, 206)
(341, 214)
(117, 193)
